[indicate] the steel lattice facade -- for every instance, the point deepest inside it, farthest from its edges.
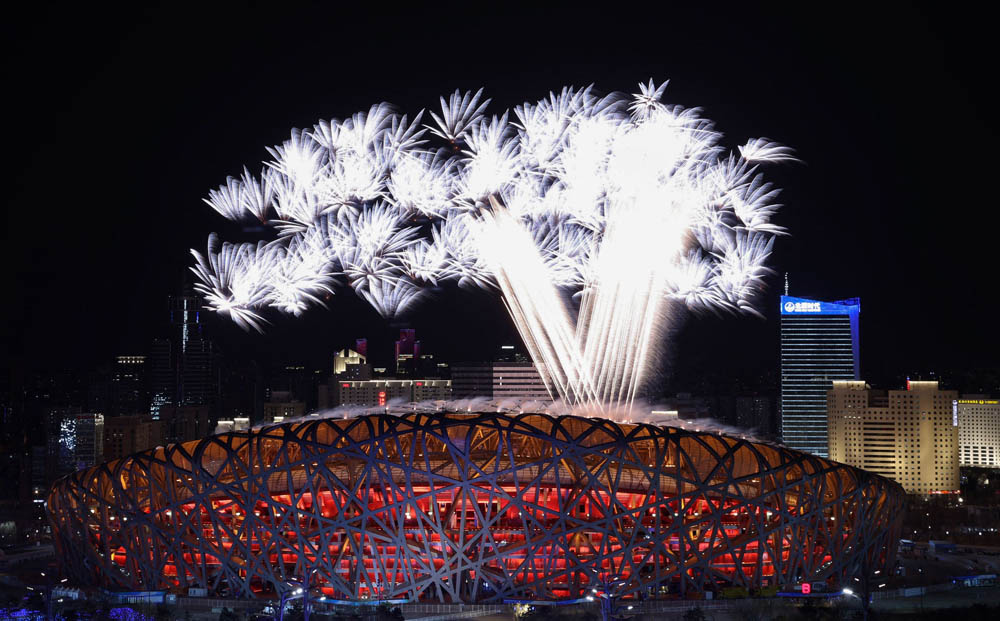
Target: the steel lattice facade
(471, 507)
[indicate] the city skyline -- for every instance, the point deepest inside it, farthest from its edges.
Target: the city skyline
(854, 231)
(573, 317)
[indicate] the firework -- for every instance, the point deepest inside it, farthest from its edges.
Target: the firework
(594, 216)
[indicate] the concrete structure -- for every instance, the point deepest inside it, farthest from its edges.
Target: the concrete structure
(819, 345)
(978, 431)
(910, 436)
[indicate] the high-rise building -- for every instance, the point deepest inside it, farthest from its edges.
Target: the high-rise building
(196, 383)
(89, 445)
(910, 436)
(819, 345)
(182, 367)
(128, 386)
(978, 431)
(407, 353)
(60, 440)
(162, 376)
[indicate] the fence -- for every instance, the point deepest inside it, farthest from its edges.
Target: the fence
(441, 612)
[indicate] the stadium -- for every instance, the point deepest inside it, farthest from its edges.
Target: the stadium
(472, 507)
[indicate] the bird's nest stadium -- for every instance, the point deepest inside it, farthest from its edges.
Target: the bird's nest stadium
(471, 507)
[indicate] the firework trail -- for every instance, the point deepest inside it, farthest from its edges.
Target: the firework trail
(593, 215)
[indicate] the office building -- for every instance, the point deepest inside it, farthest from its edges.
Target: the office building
(60, 440)
(498, 380)
(89, 441)
(282, 406)
(511, 375)
(518, 380)
(978, 431)
(910, 436)
(407, 353)
(352, 365)
(185, 422)
(128, 389)
(383, 392)
(819, 345)
(472, 380)
(162, 377)
(124, 435)
(182, 368)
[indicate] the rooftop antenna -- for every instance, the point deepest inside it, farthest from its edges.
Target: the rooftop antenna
(786, 283)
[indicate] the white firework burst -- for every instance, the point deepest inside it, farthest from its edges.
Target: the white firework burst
(621, 203)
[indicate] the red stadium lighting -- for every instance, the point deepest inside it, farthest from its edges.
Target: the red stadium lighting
(470, 507)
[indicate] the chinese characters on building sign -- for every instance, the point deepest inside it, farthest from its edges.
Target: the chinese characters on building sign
(802, 307)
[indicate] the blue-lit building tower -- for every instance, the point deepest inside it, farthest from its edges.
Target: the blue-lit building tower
(819, 344)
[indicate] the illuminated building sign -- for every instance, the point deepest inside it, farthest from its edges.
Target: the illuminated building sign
(806, 588)
(979, 401)
(954, 413)
(381, 397)
(803, 306)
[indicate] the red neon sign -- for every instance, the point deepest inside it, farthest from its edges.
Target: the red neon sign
(381, 397)
(806, 588)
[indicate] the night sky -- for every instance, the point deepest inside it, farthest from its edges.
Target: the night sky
(120, 122)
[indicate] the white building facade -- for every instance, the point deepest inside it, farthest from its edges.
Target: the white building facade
(978, 431)
(910, 436)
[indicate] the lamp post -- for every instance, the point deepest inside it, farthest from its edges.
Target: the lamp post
(305, 594)
(607, 597)
(287, 596)
(864, 607)
(294, 592)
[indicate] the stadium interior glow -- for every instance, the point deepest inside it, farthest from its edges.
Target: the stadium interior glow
(471, 507)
